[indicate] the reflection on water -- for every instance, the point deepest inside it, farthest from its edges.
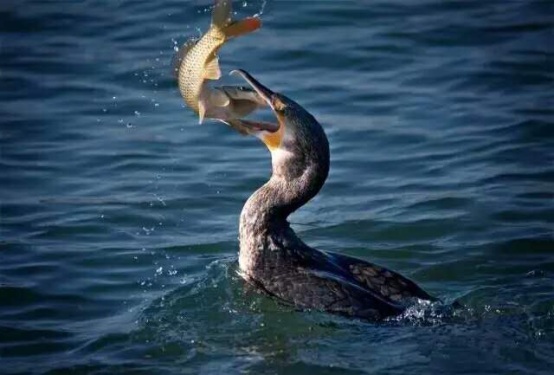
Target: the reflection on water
(119, 214)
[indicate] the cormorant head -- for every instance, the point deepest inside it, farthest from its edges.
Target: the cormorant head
(296, 141)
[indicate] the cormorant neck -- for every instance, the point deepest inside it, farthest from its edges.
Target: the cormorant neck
(295, 180)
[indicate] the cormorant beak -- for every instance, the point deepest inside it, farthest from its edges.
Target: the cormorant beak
(271, 134)
(263, 91)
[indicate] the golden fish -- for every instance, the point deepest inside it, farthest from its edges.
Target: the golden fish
(197, 62)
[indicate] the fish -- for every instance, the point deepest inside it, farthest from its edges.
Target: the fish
(197, 62)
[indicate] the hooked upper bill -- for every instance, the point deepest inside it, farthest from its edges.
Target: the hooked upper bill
(271, 134)
(266, 94)
(263, 91)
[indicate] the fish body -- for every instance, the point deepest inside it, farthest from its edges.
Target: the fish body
(197, 62)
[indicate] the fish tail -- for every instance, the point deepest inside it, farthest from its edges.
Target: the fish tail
(222, 19)
(222, 13)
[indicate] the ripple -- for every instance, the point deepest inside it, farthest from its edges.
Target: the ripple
(119, 213)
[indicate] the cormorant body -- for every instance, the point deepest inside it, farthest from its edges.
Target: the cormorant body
(274, 259)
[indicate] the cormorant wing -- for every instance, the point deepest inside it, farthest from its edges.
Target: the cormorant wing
(379, 279)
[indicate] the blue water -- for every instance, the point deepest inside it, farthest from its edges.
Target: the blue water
(119, 213)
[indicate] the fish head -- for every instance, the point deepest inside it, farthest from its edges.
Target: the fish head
(296, 133)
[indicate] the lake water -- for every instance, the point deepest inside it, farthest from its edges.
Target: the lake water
(119, 213)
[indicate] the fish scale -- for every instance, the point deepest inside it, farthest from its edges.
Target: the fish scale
(196, 61)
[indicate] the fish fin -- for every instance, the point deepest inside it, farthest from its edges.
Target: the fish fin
(180, 55)
(245, 100)
(221, 14)
(242, 27)
(219, 98)
(243, 108)
(222, 19)
(211, 69)
(243, 93)
(201, 111)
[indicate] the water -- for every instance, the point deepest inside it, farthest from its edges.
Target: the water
(119, 213)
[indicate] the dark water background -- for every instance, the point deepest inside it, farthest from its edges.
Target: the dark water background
(119, 213)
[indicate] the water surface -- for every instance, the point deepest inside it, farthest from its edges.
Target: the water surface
(119, 213)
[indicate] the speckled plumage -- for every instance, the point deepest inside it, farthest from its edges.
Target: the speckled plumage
(275, 260)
